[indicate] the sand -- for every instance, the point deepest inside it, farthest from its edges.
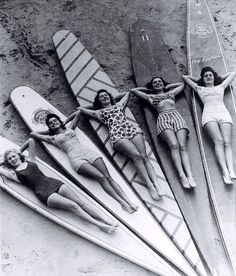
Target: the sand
(30, 244)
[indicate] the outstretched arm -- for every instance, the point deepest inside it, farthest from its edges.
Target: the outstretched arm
(124, 100)
(191, 82)
(30, 145)
(92, 113)
(228, 78)
(140, 92)
(75, 121)
(42, 137)
(178, 89)
(9, 174)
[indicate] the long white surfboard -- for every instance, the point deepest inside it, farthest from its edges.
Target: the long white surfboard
(122, 242)
(85, 77)
(204, 49)
(150, 231)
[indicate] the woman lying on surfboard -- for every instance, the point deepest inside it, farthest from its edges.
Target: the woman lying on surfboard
(216, 119)
(50, 191)
(171, 127)
(82, 159)
(126, 138)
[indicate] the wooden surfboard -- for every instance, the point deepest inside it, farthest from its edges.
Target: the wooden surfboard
(204, 50)
(122, 242)
(85, 77)
(151, 58)
(151, 233)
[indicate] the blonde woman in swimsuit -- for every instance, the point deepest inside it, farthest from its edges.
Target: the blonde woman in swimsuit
(82, 159)
(216, 119)
(171, 127)
(50, 191)
(126, 138)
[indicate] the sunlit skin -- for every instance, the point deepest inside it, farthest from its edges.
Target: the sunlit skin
(54, 124)
(14, 159)
(104, 99)
(208, 79)
(158, 85)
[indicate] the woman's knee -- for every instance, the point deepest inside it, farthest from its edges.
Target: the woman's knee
(174, 146)
(227, 144)
(218, 141)
(183, 147)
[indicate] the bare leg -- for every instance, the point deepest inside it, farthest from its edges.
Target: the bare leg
(226, 130)
(58, 201)
(182, 140)
(128, 149)
(138, 141)
(169, 137)
(70, 194)
(214, 132)
(92, 172)
(101, 166)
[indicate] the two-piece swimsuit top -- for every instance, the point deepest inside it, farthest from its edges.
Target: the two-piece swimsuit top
(159, 100)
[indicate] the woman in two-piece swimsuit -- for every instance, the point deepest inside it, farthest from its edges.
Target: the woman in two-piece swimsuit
(171, 127)
(126, 138)
(50, 191)
(82, 159)
(216, 119)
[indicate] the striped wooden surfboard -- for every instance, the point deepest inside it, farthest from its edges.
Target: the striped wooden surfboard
(123, 242)
(151, 58)
(204, 50)
(152, 233)
(85, 77)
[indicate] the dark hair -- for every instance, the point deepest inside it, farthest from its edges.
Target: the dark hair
(217, 78)
(150, 86)
(52, 115)
(6, 163)
(97, 104)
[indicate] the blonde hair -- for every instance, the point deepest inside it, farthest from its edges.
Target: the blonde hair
(7, 152)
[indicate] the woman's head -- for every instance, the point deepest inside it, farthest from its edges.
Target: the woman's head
(157, 83)
(209, 77)
(53, 122)
(13, 158)
(102, 99)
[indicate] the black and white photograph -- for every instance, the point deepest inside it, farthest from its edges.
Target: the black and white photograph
(118, 137)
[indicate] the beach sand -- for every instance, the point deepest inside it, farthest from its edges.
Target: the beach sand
(31, 244)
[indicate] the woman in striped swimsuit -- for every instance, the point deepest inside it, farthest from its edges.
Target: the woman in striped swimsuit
(171, 127)
(216, 119)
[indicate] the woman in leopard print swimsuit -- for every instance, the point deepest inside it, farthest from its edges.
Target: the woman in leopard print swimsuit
(125, 137)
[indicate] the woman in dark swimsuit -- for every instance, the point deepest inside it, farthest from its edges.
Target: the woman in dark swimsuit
(171, 127)
(126, 138)
(50, 191)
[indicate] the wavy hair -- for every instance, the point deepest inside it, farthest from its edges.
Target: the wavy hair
(53, 115)
(97, 104)
(149, 85)
(7, 152)
(217, 79)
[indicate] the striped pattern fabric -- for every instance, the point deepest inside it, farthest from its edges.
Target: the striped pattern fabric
(170, 120)
(85, 77)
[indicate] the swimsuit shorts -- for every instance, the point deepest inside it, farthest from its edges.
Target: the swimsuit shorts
(216, 113)
(170, 119)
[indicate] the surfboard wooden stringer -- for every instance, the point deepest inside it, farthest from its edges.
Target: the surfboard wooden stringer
(204, 49)
(85, 77)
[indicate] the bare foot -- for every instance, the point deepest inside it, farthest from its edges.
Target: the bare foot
(185, 182)
(108, 229)
(191, 182)
(134, 206)
(227, 179)
(233, 175)
(127, 208)
(154, 193)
